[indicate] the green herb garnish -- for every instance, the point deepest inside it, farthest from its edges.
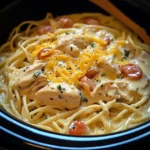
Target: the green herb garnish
(67, 33)
(59, 88)
(37, 73)
(71, 48)
(93, 44)
(83, 98)
(126, 54)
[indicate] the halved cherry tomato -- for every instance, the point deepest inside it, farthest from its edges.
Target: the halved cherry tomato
(45, 52)
(65, 22)
(89, 82)
(132, 71)
(91, 73)
(77, 128)
(43, 29)
(91, 21)
(107, 40)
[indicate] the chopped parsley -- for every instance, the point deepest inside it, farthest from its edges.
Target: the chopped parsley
(83, 98)
(137, 89)
(93, 44)
(59, 88)
(67, 33)
(37, 73)
(71, 48)
(126, 54)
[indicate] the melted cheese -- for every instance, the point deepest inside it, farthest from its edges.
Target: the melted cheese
(79, 56)
(143, 61)
(80, 72)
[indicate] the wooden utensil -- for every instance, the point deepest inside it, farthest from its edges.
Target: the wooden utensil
(114, 11)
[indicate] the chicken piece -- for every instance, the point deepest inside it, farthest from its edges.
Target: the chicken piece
(71, 44)
(61, 95)
(37, 85)
(25, 77)
(122, 89)
(105, 91)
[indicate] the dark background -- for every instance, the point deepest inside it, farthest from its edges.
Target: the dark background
(136, 5)
(138, 10)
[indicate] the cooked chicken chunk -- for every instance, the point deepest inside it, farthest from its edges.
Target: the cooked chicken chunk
(122, 89)
(71, 44)
(61, 95)
(25, 77)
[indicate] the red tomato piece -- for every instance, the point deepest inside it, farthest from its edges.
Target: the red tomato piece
(91, 21)
(65, 22)
(43, 29)
(45, 52)
(89, 82)
(77, 128)
(132, 71)
(91, 73)
(107, 40)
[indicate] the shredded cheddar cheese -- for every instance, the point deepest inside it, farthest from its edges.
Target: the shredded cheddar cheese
(75, 68)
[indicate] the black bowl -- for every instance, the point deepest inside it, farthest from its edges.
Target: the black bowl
(18, 133)
(27, 136)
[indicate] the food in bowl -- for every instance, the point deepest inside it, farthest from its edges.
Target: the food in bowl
(78, 74)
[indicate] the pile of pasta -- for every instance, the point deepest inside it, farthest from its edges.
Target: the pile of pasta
(77, 74)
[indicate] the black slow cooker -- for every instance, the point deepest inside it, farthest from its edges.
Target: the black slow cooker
(16, 134)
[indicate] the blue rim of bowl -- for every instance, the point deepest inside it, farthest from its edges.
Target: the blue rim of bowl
(128, 136)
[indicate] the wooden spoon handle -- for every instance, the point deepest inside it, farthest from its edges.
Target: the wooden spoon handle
(114, 11)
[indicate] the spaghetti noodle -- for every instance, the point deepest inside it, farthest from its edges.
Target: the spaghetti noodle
(79, 74)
